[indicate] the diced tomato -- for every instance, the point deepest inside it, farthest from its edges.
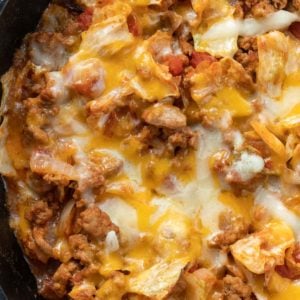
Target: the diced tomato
(133, 26)
(283, 271)
(268, 163)
(296, 253)
(295, 29)
(85, 19)
(198, 57)
(176, 65)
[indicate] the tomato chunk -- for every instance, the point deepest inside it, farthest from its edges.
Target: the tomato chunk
(296, 253)
(85, 19)
(133, 26)
(284, 271)
(176, 65)
(295, 29)
(198, 57)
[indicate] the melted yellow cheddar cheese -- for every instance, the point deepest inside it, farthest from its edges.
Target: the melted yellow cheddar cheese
(229, 99)
(290, 293)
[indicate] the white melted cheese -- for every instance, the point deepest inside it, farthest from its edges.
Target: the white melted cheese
(49, 58)
(124, 216)
(275, 108)
(107, 37)
(276, 21)
(201, 195)
(56, 86)
(248, 166)
(238, 140)
(277, 209)
(111, 241)
(249, 27)
(221, 38)
(66, 125)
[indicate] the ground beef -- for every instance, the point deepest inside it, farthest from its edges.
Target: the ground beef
(39, 114)
(232, 229)
(167, 141)
(96, 223)
(257, 8)
(39, 213)
(81, 249)
(248, 43)
(107, 164)
(296, 4)
(33, 82)
(87, 272)
(185, 138)
(62, 276)
(247, 55)
(235, 289)
(32, 250)
(56, 287)
(262, 9)
(40, 240)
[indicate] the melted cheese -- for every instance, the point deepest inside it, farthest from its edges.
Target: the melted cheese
(250, 26)
(140, 215)
(248, 166)
(127, 61)
(229, 99)
(277, 209)
(193, 197)
(240, 205)
(292, 118)
(292, 292)
(289, 99)
(111, 242)
(124, 216)
(107, 37)
(221, 38)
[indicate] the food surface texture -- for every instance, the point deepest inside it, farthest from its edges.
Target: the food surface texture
(151, 149)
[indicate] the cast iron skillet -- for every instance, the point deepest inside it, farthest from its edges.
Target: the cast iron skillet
(17, 17)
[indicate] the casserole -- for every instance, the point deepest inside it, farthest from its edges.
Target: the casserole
(150, 149)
